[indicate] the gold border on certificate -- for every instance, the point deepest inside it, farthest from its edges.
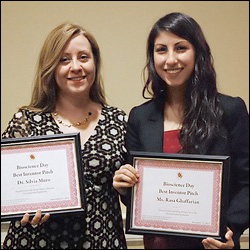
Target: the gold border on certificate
(179, 194)
(41, 172)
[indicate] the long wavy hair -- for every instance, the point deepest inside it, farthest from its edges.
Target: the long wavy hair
(202, 110)
(44, 94)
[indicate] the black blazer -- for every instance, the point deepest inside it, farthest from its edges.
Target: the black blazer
(146, 130)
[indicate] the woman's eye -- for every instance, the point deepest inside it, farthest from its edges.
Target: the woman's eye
(161, 49)
(64, 59)
(181, 48)
(84, 57)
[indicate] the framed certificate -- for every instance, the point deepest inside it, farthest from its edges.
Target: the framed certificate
(41, 172)
(178, 194)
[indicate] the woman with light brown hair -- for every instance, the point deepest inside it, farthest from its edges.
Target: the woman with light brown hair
(45, 90)
(69, 97)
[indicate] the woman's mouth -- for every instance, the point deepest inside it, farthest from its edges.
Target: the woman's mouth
(79, 78)
(173, 71)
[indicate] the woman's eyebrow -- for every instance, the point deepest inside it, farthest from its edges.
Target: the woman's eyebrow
(161, 44)
(81, 51)
(181, 42)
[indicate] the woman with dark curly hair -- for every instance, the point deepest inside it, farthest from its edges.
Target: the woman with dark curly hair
(186, 114)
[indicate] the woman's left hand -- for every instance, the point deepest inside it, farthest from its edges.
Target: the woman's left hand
(210, 243)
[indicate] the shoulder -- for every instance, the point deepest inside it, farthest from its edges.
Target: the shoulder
(32, 116)
(150, 110)
(115, 113)
(22, 123)
(234, 109)
(26, 115)
(232, 105)
(145, 107)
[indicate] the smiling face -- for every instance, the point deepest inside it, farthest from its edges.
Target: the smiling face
(174, 59)
(76, 70)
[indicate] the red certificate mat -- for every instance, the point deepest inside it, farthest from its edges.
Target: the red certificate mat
(179, 194)
(41, 172)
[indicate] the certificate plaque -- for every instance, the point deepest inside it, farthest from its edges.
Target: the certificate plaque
(179, 194)
(41, 172)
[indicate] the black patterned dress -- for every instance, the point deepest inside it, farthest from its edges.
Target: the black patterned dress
(102, 155)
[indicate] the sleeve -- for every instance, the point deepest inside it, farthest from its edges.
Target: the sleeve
(132, 143)
(18, 126)
(132, 138)
(122, 122)
(238, 209)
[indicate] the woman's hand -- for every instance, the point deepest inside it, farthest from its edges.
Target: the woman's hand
(125, 177)
(211, 243)
(36, 220)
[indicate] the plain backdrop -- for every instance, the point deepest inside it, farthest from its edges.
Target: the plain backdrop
(121, 29)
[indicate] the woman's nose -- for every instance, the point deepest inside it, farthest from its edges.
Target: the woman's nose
(171, 58)
(75, 65)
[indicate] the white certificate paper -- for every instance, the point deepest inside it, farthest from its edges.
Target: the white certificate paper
(39, 176)
(177, 196)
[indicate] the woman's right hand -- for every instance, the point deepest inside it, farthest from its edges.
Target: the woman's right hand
(37, 219)
(125, 177)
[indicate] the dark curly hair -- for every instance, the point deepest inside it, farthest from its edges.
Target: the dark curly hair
(202, 108)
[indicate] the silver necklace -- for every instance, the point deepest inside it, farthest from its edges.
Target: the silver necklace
(76, 124)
